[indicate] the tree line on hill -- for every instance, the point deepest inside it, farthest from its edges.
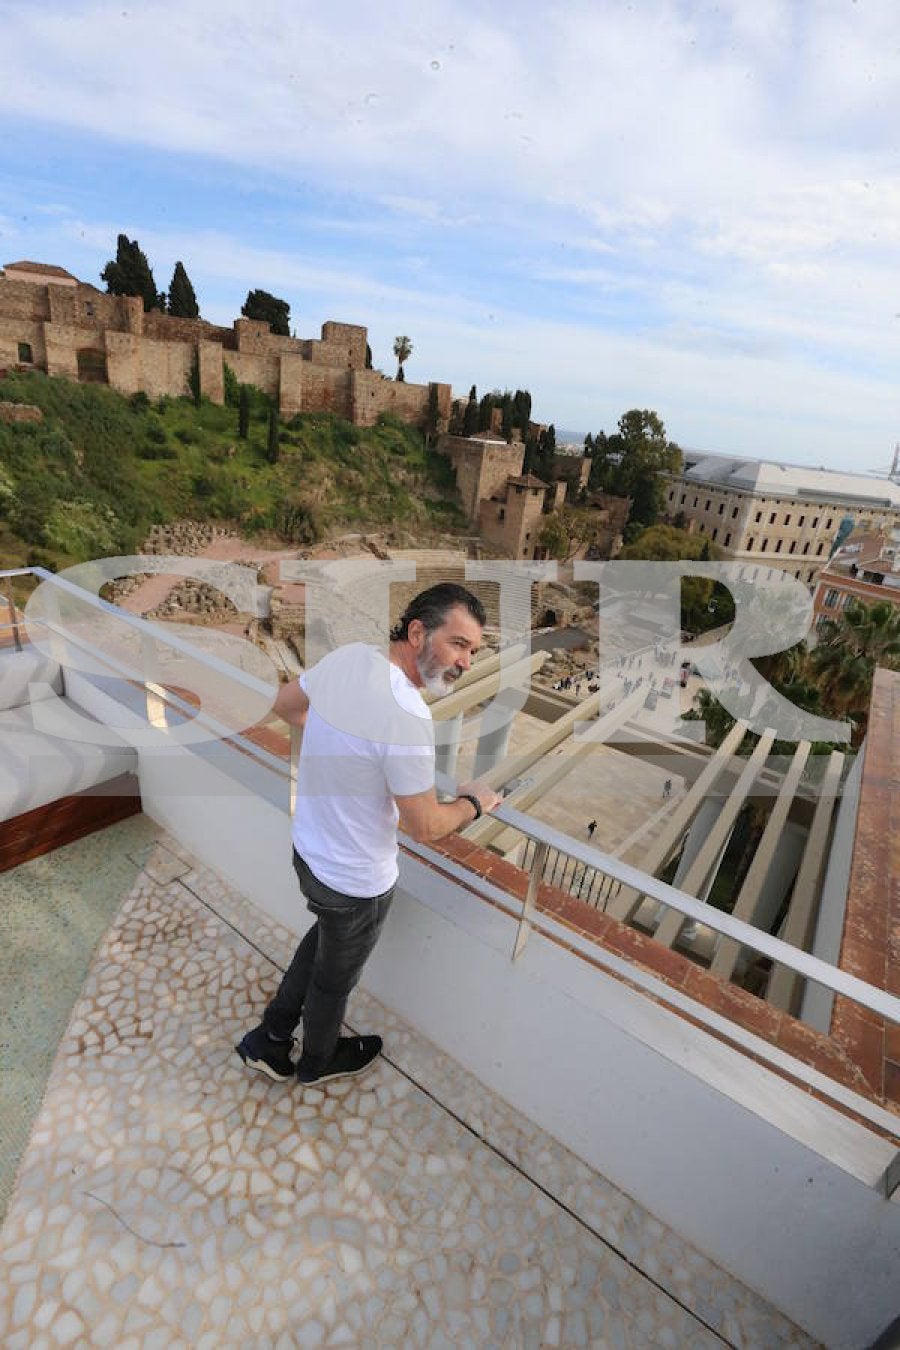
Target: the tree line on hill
(478, 414)
(130, 273)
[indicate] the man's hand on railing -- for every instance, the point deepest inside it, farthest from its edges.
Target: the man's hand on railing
(487, 798)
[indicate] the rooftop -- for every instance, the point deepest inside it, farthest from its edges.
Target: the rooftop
(507, 1164)
(771, 479)
(40, 270)
(529, 480)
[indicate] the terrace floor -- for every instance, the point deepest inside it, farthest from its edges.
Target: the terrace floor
(166, 1196)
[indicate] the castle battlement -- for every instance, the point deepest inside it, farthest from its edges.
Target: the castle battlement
(51, 321)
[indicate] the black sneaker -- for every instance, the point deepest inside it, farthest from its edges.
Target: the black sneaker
(354, 1054)
(273, 1058)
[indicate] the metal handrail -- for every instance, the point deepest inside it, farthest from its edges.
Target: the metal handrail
(144, 626)
(811, 967)
(155, 691)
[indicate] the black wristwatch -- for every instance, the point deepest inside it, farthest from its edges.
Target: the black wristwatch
(470, 797)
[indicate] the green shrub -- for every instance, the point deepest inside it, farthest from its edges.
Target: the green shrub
(82, 529)
(203, 486)
(297, 523)
(151, 450)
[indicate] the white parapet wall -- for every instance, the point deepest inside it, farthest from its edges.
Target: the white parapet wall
(774, 1185)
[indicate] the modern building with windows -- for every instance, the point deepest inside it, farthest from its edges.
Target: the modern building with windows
(784, 515)
(866, 569)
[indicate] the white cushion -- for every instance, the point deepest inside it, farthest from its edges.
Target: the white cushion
(37, 768)
(27, 676)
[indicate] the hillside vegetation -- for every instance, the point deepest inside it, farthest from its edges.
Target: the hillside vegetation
(89, 480)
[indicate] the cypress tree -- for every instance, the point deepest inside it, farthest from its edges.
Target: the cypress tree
(244, 412)
(272, 441)
(434, 413)
(269, 309)
(182, 297)
(130, 274)
(470, 417)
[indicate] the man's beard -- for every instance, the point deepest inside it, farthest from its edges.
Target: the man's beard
(437, 680)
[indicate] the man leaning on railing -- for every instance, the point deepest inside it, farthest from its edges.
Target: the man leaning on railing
(366, 766)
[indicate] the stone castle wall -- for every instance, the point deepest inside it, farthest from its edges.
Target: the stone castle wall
(79, 332)
(513, 525)
(482, 468)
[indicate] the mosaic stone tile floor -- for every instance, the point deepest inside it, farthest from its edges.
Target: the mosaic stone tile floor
(170, 1198)
(53, 913)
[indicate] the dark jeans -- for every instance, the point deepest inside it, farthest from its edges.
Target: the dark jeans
(326, 966)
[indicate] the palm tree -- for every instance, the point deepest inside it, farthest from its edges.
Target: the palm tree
(402, 350)
(850, 648)
(783, 667)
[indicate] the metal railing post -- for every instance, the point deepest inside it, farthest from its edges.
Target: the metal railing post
(14, 622)
(296, 737)
(153, 691)
(534, 880)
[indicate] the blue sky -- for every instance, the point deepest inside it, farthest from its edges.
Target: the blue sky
(690, 207)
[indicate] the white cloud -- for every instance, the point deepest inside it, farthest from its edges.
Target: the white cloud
(733, 168)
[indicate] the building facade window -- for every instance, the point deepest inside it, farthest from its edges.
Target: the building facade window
(831, 598)
(792, 549)
(707, 506)
(26, 355)
(715, 535)
(829, 522)
(806, 547)
(683, 498)
(772, 518)
(750, 545)
(721, 508)
(763, 546)
(787, 519)
(819, 550)
(727, 539)
(734, 514)
(801, 520)
(758, 517)
(778, 543)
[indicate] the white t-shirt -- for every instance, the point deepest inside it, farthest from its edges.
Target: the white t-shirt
(368, 738)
